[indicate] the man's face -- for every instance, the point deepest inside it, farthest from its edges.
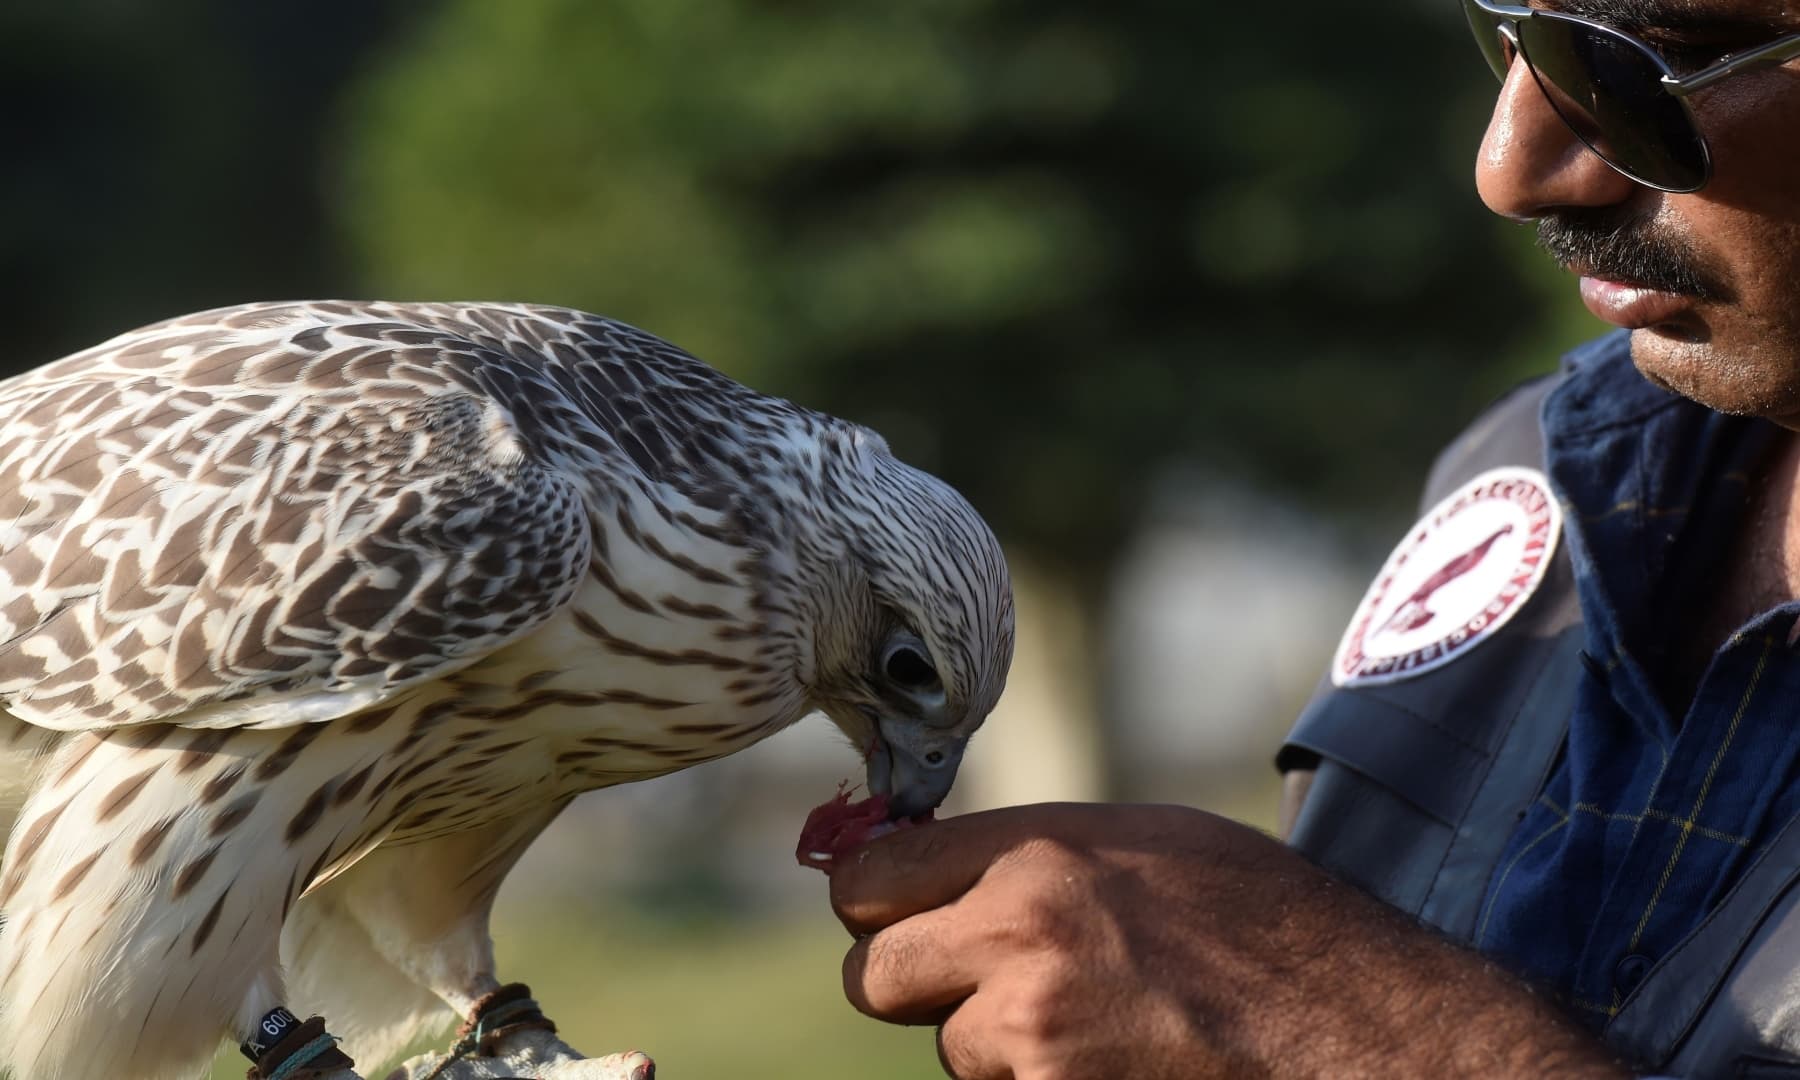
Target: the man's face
(1709, 282)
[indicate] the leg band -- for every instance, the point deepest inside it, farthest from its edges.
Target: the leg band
(307, 1051)
(496, 1016)
(506, 1010)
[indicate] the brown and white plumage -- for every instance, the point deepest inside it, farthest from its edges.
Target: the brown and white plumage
(313, 615)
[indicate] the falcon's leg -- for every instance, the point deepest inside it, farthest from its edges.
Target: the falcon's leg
(425, 905)
(144, 887)
(423, 910)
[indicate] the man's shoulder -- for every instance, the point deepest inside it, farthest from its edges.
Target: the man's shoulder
(1509, 431)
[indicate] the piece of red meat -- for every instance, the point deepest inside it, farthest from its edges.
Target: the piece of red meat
(838, 826)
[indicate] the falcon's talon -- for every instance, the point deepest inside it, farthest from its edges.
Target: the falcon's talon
(535, 1055)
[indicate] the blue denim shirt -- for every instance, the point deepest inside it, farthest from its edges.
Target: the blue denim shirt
(1658, 803)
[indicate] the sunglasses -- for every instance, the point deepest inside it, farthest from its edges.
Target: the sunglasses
(1616, 93)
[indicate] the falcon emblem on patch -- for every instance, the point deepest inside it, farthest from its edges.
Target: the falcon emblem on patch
(1465, 569)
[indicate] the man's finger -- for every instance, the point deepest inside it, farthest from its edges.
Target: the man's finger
(915, 971)
(918, 869)
(966, 1045)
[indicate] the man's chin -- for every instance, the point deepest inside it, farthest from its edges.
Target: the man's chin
(1669, 362)
(1734, 382)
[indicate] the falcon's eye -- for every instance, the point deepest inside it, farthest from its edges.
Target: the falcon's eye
(910, 670)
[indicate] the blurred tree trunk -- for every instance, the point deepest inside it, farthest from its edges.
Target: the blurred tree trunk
(1048, 740)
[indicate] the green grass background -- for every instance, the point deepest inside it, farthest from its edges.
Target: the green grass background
(743, 999)
(739, 1000)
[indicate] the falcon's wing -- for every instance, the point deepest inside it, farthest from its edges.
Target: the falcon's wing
(213, 524)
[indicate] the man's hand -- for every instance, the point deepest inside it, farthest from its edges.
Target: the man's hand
(1059, 942)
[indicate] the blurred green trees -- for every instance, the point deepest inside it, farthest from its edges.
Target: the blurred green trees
(169, 157)
(1044, 246)
(1047, 247)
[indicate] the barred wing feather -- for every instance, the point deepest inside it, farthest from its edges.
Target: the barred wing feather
(209, 524)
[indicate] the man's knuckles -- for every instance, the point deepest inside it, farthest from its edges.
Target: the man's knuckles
(1038, 922)
(1046, 1006)
(1027, 1029)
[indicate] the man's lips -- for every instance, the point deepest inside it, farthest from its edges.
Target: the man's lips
(1632, 306)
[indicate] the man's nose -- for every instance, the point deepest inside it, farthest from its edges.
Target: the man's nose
(1532, 164)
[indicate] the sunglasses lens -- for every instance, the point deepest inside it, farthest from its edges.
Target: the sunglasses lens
(1609, 91)
(1495, 48)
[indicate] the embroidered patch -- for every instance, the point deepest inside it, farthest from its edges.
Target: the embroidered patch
(1466, 568)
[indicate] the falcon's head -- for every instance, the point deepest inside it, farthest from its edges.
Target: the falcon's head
(913, 633)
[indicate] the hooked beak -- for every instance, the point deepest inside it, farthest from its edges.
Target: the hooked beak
(915, 770)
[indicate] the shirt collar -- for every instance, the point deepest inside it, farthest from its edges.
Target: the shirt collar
(1603, 389)
(1653, 488)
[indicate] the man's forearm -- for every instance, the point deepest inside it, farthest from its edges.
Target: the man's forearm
(1483, 1021)
(1379, 994)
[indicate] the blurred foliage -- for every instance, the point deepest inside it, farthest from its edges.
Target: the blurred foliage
(1043, 246)
(162, 158)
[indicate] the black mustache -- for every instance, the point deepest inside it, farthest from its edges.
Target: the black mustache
(1612, 247)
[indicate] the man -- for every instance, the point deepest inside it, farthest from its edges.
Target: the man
(1588, 788)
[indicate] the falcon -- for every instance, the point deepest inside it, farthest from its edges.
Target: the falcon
(315, 614)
